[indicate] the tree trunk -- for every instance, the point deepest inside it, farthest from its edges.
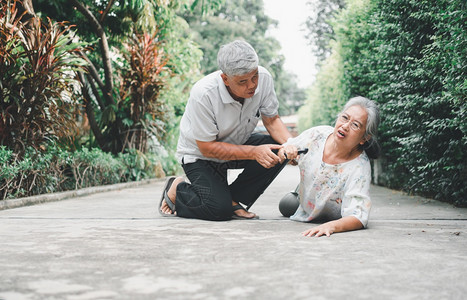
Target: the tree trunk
(104, 46)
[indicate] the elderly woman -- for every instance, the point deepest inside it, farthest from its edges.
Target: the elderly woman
(335, 174)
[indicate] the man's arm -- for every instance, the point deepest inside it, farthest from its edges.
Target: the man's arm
(225, 151)
(276, 129)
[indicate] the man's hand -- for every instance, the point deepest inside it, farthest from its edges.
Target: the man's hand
(264, 156)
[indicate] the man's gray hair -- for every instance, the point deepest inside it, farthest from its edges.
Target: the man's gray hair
(237, 58)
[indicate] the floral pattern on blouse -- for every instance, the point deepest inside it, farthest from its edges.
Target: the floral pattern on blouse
(330, 191)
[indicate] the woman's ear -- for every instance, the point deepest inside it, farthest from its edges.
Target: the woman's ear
(366, 138)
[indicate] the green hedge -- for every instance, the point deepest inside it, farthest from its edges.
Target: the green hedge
(57, 170)
(411, 57)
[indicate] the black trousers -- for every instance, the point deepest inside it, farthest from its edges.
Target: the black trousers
(209, 196)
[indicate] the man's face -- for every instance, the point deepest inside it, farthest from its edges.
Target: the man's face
(241, 86)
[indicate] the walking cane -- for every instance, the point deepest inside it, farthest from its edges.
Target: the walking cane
(286, 161)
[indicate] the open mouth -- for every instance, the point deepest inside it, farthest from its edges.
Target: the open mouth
(340, 133)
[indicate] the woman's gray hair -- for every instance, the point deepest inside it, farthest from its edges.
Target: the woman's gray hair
(371, 147)
(237, 58)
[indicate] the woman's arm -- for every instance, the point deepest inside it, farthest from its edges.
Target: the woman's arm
(343, 224)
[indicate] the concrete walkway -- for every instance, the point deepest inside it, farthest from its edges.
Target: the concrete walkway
(114, 245)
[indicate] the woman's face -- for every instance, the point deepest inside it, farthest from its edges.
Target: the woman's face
(351, 127)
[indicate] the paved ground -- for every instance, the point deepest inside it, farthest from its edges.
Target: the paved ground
(114, 245)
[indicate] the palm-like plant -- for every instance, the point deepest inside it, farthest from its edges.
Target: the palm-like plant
(37, 80)
(107, 26)
(143, 112)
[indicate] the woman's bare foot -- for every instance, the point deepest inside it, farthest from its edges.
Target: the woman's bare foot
(172, 194)
(242, 213)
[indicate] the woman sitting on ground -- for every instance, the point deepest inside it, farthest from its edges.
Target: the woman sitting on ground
(335, 174)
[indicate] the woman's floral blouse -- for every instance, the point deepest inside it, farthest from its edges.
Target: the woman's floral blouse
(330, 191)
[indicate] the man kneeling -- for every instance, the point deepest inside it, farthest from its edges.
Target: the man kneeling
(216, 134)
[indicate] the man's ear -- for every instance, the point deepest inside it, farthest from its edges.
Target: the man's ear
(225, 79)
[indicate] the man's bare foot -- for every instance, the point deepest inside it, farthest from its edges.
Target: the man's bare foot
(241, 212)
(172, 194)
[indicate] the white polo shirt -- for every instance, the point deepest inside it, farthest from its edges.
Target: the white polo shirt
(211, 114)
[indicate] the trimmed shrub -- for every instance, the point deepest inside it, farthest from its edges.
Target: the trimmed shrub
(56, 170)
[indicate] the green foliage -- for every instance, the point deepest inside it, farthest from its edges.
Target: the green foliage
(153, 78)
(320, 31)
(327, 94)
(411, 57)
(135, 46)
(140, 109)
(422, 50)
(37, 65)
(94, 167)
(31, 174)
(150, 50)
(141, 166)
(245, 20)
(56, 170)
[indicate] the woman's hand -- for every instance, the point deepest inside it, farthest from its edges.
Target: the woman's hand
(288, 152)
(323, 229)
(343, 224)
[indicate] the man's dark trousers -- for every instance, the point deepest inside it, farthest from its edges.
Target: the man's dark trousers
(208, 196)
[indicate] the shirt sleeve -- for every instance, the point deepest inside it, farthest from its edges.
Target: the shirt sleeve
(356, 201)
(270, 105)
(203, 122)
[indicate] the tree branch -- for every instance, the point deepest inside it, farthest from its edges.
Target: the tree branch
(95, 92)
(104, 46)
(90, 113)
(95, 76)
(107, 9)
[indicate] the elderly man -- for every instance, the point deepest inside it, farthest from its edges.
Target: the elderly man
(216, 134)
